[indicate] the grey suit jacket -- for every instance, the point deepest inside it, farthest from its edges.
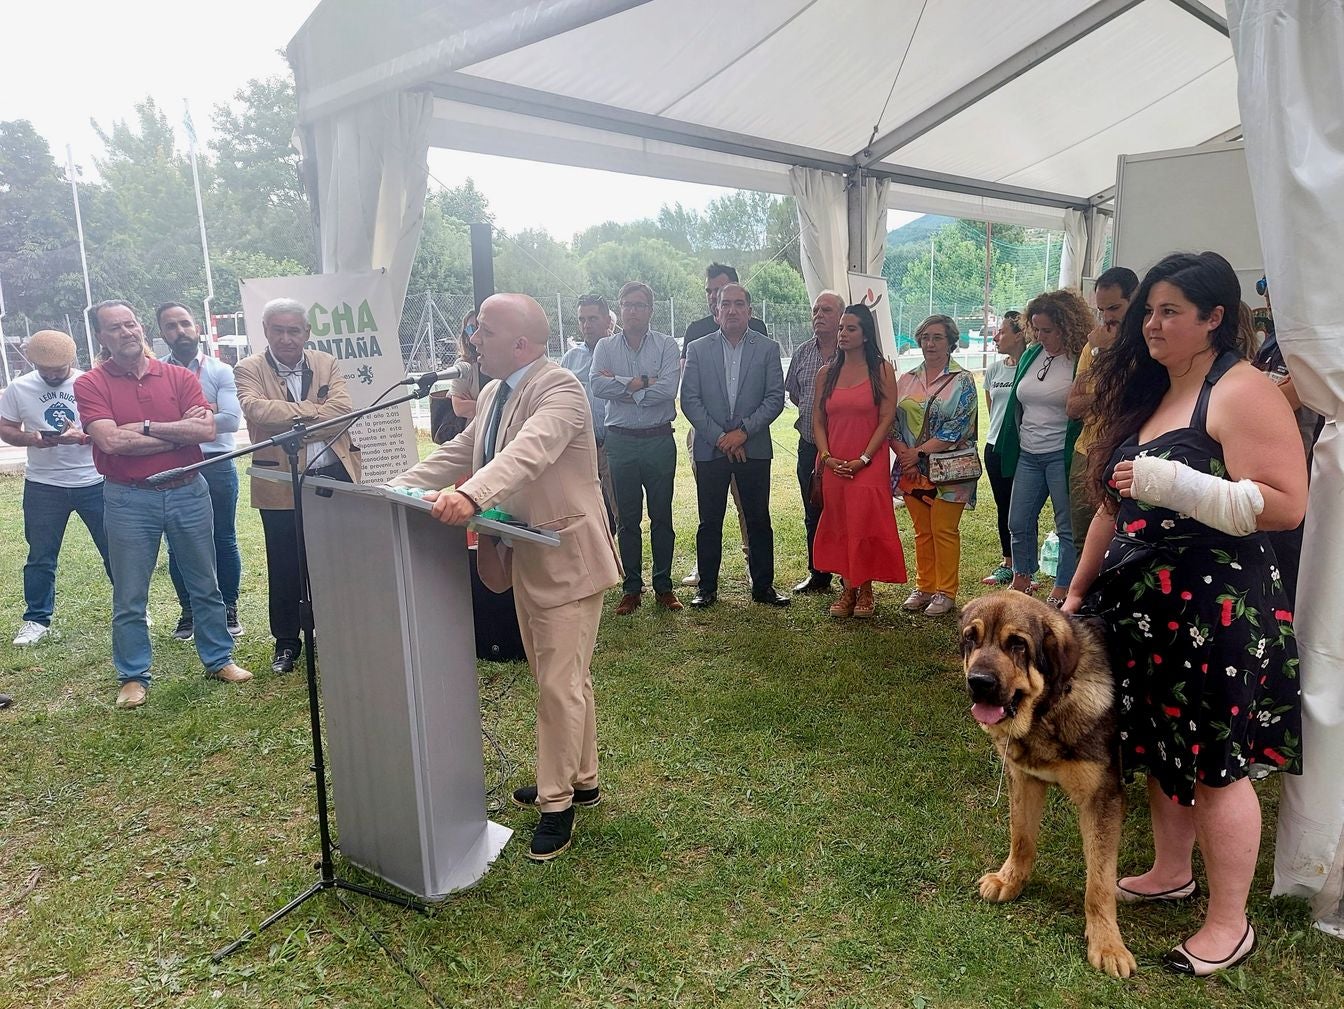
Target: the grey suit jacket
(760, 395)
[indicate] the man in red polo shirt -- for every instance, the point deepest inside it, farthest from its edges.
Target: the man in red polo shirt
(146, 417)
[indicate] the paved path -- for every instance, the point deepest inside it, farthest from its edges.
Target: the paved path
(12, 459)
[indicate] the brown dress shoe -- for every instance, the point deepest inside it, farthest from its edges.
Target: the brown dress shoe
(628, 604)
(131, 695)
(669, 601)
(232, 673)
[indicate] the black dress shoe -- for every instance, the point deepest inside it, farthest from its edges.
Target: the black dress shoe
(552, 835)
(702, 599)
(283, 661)
(527, 796)
(814, 582)
(771, 598)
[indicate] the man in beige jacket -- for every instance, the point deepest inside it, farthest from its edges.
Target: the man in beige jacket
(530, 452)
(283, 384)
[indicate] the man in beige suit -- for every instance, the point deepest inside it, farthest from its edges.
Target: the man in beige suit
(530, 452)
(283, 384)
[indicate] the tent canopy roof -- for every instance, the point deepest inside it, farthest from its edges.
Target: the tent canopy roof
(1011, 112)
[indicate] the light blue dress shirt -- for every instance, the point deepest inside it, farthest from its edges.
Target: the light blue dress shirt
(658, 356)
(732, 368)
(579, 360)
(217, 383)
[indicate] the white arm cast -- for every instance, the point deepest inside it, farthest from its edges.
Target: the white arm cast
(1225, 505)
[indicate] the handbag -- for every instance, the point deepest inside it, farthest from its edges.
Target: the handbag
(814, 489)
(956, 465)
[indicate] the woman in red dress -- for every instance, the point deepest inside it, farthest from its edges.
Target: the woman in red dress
(856, 401)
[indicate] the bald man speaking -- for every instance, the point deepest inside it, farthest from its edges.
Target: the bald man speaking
(530, 452)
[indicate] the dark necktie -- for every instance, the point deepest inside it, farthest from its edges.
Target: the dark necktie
(496, 415)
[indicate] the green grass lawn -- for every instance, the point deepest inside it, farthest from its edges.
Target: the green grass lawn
(796, 812)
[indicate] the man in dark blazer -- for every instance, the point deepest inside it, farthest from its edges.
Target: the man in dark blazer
(732, 390)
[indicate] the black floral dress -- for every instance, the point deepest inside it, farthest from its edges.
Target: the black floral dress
(1200, 634)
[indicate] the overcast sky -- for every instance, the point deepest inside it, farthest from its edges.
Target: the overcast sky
(69, 62)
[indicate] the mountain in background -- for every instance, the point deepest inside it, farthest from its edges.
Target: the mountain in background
(921, 229)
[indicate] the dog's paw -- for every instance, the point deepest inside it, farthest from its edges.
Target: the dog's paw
(999, 887)
(1111, 956)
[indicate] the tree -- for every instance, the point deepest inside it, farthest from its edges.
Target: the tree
(738, 222)
(532, 262)
(776, 282)
(39, 253)
(614, 231)
(443, 257)
(670, 273)
(465, 203)
(232, 266)
(259, 202)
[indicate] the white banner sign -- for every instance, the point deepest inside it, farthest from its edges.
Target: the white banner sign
(872, 291)
(352, 319)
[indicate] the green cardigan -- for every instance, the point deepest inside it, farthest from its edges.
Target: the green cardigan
(1008, 445)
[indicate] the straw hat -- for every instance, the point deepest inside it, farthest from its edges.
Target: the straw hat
(50, 348)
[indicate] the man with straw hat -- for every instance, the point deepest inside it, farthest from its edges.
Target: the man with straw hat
(38, 411)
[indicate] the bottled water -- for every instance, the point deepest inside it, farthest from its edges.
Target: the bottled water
(1050, 555)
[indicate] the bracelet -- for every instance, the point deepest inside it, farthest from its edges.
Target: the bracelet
(867, 459)
(824, 457)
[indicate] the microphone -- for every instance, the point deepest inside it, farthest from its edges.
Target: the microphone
(460, 370)
(169, 474)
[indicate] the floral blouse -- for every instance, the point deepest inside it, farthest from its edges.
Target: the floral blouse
(952, 415)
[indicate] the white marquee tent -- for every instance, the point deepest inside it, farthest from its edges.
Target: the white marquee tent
(1012, 112)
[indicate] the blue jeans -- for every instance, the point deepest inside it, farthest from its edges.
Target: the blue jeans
(137, 518)
(46, 513)
(222, 479)
(1036, 477)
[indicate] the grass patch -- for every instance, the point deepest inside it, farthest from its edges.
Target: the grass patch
(796, 813)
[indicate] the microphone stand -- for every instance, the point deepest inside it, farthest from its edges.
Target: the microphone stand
(291, 441)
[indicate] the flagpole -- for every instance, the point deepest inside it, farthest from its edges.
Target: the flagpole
(200, 217)
(83, 259)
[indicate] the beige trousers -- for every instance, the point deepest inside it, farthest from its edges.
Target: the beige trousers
(559, 645)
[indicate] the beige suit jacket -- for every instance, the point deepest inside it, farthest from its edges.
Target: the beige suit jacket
(544, 473)
(269, 411)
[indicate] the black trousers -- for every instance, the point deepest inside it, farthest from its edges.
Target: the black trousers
(1002, 486)
(282, 568)
(807, 462)
(711, 490)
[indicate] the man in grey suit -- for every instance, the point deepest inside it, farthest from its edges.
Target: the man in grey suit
(732, 389)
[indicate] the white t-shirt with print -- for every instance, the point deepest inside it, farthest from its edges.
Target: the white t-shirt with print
(29, 401)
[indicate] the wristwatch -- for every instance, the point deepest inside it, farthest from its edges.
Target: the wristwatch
(867, 460)
(145, 428)
(645, 380)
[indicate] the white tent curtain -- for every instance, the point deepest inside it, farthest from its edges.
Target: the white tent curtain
(371, 174)
(868, 226)
(1290, 79)
(1071, 260)
(823, 223)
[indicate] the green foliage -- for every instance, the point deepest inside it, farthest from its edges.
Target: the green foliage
(532, 262)
(776, 282)
(670, 273)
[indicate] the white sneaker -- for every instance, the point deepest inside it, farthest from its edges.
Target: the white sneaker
(940, 605)
(917, 601)
(692, 579)
(31, 633)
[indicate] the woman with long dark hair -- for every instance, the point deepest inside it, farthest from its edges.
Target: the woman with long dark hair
(450, 411)
(1198, 456)
(936, 410)
(855, 402)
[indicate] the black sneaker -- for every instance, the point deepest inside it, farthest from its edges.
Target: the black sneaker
(231, 618)
(186, 627)
(552, 835)
(283, 661)
(527, 796)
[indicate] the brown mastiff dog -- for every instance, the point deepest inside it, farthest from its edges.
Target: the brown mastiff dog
(1041, 688)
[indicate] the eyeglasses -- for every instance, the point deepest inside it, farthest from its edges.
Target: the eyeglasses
(636, 306)
(1045, 368)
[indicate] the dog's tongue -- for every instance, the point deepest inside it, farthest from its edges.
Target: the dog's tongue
(988, 714)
